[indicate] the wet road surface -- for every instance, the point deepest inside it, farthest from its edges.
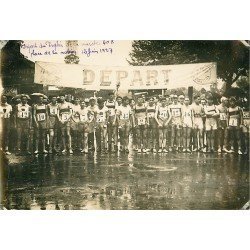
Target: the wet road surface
(134, 181)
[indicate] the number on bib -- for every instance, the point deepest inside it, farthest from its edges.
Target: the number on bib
(83, 118)
(176, 112)
(41, 117)
(151, 115)
(223, 116)
(23, 114)
(233, 122)
(125, 116)
(65, 117)
(141, 121)
(246, 115)
(53, 111)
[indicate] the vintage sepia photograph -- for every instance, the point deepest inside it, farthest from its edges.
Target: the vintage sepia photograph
(124, 124)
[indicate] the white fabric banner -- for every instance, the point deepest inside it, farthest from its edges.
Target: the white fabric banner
(128, 77)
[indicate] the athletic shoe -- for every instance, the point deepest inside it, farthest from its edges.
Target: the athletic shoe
(219, 150)
(139, 150)
(204, 150)
(160, 150)
(246, 152)
(154, 150)
(71, 151)
(170, 149)
(144, 150)
(82, 151)
(188, 151)
(45, 151)
(147, 150)
(50, 151)
(231, 151)
(86, 151)
(7, 152)
(36, 152)
(195, 150)
(184, 150)
(165, 150)
(239, 152)
(64, 151)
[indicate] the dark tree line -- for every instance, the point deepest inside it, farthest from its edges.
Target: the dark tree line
(232, 57)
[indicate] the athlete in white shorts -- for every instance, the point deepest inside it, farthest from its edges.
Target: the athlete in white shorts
(198, 112)
(211, 123)
(187, 123)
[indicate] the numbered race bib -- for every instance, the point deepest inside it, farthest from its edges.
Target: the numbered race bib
(83, 118)
(176, 112)
(5, 115)
(163, 114)
(151, 115)
(100, 118)
(41, 117)
(111, 112)
(125, 116)
(53, 111)
(23, 114)
(65, 117)
(233, 122)
(141, 121)
(246, 115)
(223, 116)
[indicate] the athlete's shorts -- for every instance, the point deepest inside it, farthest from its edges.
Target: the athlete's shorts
(42, 125)
(100, 126)
(211, 124)
(222, 124)
(246, 127)
(111, 121)
(163, 124)
(53, 122)
(5, 126)
(187, 123)
(23, 123)
(124, 123)
(176, 122)
(152, 123)
(65, 125)
(198, 123)
(74, 125)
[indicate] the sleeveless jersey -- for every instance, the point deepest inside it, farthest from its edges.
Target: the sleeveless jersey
(23, 111)
(5, 111)
(52, 109)
(40, 112)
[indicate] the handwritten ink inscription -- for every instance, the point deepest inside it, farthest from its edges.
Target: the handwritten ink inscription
(63, 48)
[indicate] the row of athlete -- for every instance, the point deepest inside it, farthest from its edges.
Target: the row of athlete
(169, 124)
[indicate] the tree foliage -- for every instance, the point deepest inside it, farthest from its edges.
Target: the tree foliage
(232, 57)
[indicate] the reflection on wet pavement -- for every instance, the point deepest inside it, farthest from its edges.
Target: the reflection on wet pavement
(149, 181)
